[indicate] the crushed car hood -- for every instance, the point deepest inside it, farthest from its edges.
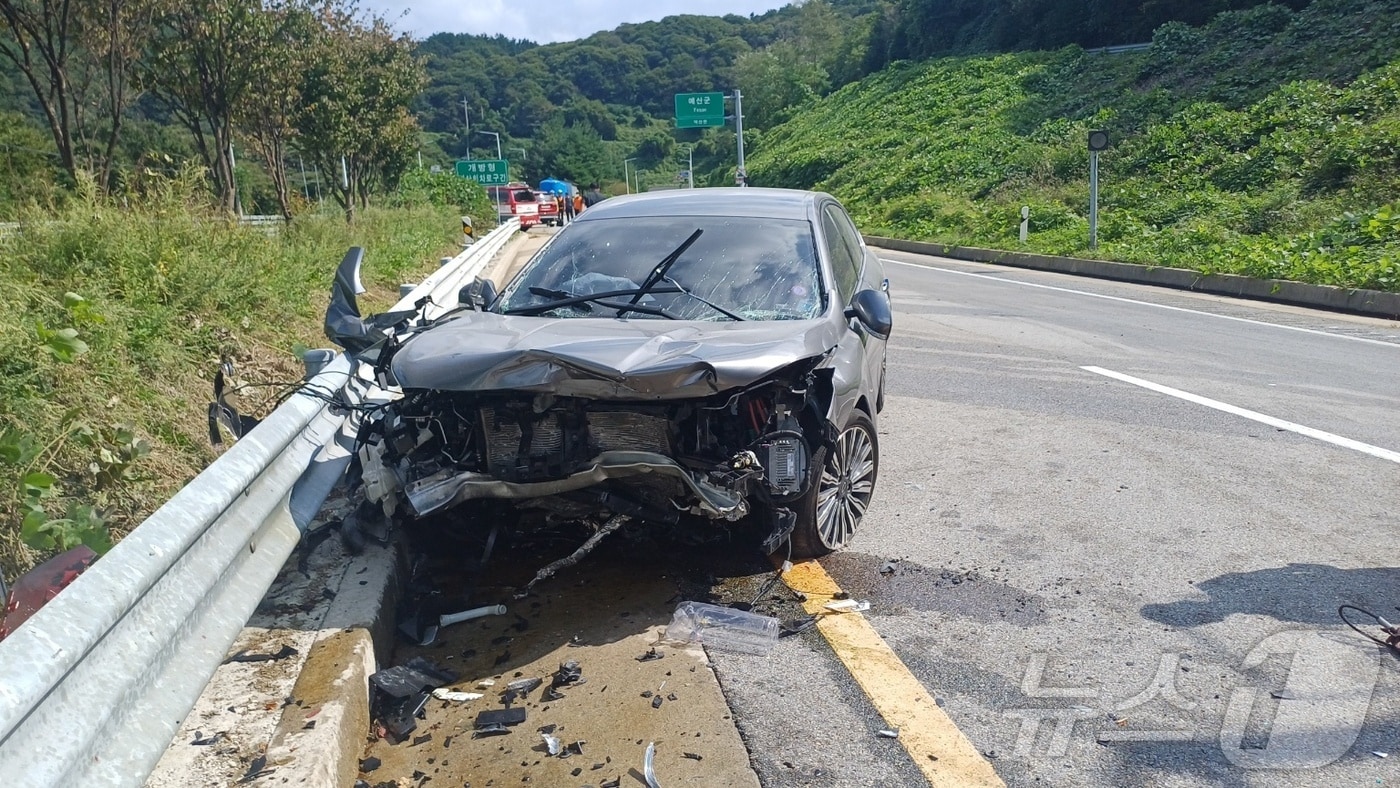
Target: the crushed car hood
(602, 358)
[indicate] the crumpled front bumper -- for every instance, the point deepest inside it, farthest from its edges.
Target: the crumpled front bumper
(445, 488)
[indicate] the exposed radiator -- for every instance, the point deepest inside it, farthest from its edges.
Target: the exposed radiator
(607, 431)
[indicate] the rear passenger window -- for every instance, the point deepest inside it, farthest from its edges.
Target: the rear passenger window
(845, 251)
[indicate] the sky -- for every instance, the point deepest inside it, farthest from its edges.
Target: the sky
(543, 21)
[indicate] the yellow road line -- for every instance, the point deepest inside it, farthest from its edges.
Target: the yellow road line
(939, 750)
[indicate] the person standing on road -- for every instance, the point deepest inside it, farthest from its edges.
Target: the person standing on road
(577, 200)
(564, 217)
(566, 201)
(593, 196)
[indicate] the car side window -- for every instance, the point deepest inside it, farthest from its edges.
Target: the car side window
(845, 251)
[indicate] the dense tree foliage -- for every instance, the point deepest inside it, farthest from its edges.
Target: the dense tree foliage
(1263, 143)
(918, 29)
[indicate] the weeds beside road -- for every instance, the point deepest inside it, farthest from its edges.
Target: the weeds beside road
(116, 321)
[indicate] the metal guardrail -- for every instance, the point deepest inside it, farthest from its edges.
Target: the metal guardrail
(1119, 49)
(95, 684)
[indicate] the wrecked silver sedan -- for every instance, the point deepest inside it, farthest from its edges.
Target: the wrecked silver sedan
(686, 358)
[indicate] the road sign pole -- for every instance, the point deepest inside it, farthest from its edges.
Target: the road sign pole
(741, 175)
(1093, 199)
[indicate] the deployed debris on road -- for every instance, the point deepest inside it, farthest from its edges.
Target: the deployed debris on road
(847, 606)
(648, 769)
(401, 692)
(497, 721)
(723, 628)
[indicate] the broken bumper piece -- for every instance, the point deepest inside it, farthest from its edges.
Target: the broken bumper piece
(447, 488)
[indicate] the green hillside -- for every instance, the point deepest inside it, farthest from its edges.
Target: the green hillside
(1267, 143)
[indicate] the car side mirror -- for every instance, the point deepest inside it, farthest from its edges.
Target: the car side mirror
(872, 309)
(479, 295)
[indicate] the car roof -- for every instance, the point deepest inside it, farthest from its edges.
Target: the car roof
(733, 201)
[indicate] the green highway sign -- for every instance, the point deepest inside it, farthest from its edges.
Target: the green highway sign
(487, 172)
(699, 110)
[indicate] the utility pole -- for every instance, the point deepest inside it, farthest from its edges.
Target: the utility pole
(690, 166)
(306, 192)
(741, 175)
(466, 115)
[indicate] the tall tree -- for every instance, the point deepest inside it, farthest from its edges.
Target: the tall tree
(77, 57)
(205, 56)
(265, 116)
(353, 122)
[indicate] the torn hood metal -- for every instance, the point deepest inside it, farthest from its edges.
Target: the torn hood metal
(605, 358)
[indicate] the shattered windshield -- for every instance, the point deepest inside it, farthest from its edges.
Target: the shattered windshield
(749, 268)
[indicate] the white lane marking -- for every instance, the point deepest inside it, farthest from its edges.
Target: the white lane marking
(1337, 440)
(1142, 303)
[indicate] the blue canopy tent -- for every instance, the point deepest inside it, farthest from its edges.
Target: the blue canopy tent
(556, 186)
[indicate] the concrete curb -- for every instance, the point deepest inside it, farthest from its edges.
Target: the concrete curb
(321, 734)
(1373, 303)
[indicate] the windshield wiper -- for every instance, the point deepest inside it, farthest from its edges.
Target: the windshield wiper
(709, 304)
(659, 272)
(546, 292)
(536, 309)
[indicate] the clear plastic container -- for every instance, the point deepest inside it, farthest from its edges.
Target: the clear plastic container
(723, 628)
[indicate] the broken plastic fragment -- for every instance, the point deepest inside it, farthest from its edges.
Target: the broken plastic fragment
(888, 733)
(486, 683)
(650, 655)
(648, 770)
(494, 717)
(552, 744)
(455, 696)
(722, 627)
(848, 606)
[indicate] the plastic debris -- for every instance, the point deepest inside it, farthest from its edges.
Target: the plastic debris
(723, 628)
(847, 605)
(569, 673)
(455, 696)
(552, 744)
(402, 691)
(650, 655)
(501, 717)
(370, 764)
(692, 756)
(888, 733)
(520, 688)
(486, 683)
(648, 770)
(1380, 754)
(200, 740)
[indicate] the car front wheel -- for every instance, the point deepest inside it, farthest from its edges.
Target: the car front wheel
(842, 485)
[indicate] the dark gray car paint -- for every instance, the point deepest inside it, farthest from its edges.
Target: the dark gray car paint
(608, 358)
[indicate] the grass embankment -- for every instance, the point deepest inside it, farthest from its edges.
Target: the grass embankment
(1266, 144)
(115, 321)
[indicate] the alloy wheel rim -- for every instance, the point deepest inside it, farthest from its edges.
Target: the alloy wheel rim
(846, 486)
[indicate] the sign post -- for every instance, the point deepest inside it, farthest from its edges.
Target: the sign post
(1098, 140)
(487, 172)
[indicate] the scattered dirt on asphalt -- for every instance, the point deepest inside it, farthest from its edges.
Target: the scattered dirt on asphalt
(895, 586)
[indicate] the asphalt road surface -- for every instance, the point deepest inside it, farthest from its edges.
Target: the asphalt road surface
(1124, 520)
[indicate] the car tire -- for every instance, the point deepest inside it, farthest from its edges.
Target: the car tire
(841, 485)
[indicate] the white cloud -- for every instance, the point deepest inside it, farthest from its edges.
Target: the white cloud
(543, 21)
